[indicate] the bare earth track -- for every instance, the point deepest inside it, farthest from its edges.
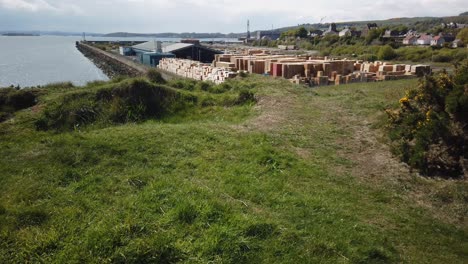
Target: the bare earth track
(373, 164)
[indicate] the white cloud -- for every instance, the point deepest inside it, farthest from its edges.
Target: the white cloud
(26, 5)
(221, 15)
(41, 6)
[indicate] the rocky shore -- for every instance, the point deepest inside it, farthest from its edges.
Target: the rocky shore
(112, 65)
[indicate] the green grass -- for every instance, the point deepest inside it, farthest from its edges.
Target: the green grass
(217, 183)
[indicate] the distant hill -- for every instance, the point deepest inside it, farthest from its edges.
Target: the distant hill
(20, 35)
(173, 35)
(419, 23)
(48, 33)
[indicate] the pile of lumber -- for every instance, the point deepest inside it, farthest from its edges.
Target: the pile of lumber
(196, 70)
(306, 69)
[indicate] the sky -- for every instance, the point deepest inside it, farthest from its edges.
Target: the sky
(225, 16)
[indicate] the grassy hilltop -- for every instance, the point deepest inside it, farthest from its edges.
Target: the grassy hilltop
(135, 171)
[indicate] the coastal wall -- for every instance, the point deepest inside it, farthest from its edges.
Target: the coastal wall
(111, 64)
(117, 65)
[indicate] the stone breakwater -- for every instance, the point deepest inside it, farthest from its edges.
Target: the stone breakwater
(111, 64)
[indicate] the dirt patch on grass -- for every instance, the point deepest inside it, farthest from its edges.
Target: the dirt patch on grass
(272, 113)
(37, 108)
(372, 162)
(375, 165)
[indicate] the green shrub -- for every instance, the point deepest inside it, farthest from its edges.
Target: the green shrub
(59, 85)
(368, 57)
(245, 96)
(386, 53)
(136, 100)
(13, 100)
(243, 74)
(155, 77)
(128, 101)
(183, 84)
(442, 58)
(305, 44)
(221, 88)
(430, 130)
(73, 111)
(204, 86)
(4, 116)
(463, 35)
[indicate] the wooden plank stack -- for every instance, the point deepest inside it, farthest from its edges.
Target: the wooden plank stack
(299, 69)
(196, 70)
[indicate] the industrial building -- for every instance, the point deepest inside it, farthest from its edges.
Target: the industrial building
(271, 35)
(151, 52)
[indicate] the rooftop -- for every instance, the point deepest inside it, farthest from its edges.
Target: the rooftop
(150, 46)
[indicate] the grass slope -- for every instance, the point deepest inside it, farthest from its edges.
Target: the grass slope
(293, 179)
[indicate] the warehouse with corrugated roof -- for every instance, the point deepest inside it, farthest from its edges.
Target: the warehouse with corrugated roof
(151, 52)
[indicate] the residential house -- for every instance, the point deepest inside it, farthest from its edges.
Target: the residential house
(457, 43)
(448, 37)
(331, 30)
(424, 39)
(367, 28)
(410, 40)
(438, 41)
(347, 32)
(454, 25)
(441, 39)
(316, 33)
(394, 35)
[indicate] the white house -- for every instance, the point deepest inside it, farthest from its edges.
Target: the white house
(410, 40)
(424, 40)
(457, 43)
(437, 41)
(345, 32)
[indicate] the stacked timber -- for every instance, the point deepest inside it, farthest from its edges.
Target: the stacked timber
(317, 71)
(196, 70)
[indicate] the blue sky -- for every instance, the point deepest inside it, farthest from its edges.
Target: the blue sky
(148, 16)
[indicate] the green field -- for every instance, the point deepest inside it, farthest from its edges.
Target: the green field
(301, 176)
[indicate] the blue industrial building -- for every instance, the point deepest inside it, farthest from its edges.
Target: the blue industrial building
(153, 58)
(150, 53)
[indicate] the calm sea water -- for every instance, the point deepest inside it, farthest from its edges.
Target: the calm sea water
(31, 61)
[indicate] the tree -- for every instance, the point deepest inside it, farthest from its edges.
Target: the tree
(401, 28)
(430, 129)
(298, 32)
(386, 53)
(373, 34)
(463, 35)
(302, 32)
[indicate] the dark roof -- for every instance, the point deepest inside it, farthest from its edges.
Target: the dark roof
(409, 37)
